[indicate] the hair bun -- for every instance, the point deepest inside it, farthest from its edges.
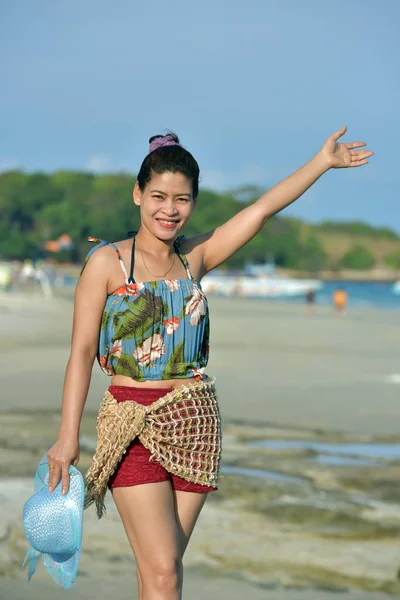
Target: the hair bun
(159, 141)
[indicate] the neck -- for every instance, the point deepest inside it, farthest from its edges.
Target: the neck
(152, 245)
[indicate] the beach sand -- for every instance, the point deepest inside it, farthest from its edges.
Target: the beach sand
(276, 365)
(195, 588)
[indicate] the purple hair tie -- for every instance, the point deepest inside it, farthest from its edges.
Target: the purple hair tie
(159, 142)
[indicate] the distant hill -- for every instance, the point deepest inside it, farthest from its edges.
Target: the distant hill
(37, 210)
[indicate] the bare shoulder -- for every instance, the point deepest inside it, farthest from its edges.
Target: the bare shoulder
(100, 257)
(123, 244)
(99, 266)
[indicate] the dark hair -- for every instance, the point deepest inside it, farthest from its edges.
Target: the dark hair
(171, 158)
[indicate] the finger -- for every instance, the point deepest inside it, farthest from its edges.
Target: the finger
(65, 479)
(54, 476)
(359, 163)
(360, 154)
(356, 145)
(338, 134)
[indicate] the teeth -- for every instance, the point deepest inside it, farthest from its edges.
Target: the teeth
(167, 222)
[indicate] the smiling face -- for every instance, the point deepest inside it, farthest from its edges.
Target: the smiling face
(166, 204)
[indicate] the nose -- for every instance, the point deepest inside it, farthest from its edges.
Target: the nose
(170, 208)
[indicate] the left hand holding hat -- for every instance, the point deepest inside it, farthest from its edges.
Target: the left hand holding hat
(52, 523)
(60, 456)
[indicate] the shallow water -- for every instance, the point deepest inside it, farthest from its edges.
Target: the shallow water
(343, 461)
(261, 474)
(336, 454)
(361, 294)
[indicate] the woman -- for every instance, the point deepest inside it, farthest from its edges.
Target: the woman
(143, 295)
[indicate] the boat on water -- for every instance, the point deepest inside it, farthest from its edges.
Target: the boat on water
(257, 281)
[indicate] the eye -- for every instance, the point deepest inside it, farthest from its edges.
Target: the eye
(183, 200)
(157, 196)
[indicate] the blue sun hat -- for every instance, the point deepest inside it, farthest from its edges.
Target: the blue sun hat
(52, 523)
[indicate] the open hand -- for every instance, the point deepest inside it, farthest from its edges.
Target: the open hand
(340, 155)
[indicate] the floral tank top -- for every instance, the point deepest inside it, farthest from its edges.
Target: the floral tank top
(154, 329)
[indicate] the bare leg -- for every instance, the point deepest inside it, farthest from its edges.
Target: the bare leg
(148, 515)
(187, 507)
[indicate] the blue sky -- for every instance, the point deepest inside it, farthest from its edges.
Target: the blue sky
(252, 88)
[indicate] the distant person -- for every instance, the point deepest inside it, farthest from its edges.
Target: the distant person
(340, 299)
(139, 307)
(310, 299)
(28, 271)
(6, 276)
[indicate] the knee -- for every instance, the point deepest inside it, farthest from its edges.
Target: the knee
(166, 576)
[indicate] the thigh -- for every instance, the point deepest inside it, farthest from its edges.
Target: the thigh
(148, 515)
(188, 506)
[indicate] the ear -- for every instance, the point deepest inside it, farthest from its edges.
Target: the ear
(137, 194)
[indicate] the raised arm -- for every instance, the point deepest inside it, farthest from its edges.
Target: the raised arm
(219, 245)
(90, 297)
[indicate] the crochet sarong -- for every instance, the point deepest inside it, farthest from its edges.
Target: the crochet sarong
(182, 430)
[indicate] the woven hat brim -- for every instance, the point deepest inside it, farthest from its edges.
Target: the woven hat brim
(62, 572)
(42, 474)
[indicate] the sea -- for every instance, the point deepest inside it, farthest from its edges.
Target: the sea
(361, 294)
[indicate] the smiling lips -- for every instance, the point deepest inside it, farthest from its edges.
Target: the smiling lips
(167, 224)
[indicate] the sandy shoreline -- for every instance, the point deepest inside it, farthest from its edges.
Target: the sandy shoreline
(275, 365)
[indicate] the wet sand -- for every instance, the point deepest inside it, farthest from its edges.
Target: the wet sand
(276, 366)
(195, 588)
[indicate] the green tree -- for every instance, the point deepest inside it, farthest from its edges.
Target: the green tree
(358, 257)
(392, 260)
(313, 256)
(36, 208)
(358, 228)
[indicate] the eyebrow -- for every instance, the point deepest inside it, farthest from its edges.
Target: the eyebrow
(164, 194)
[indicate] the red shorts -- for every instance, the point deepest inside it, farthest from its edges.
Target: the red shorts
(135, 467)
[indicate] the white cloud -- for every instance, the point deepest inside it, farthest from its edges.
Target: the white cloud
(9, 163)
(99, 163)
(248, 175)
(214, 180)
(105, 163)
